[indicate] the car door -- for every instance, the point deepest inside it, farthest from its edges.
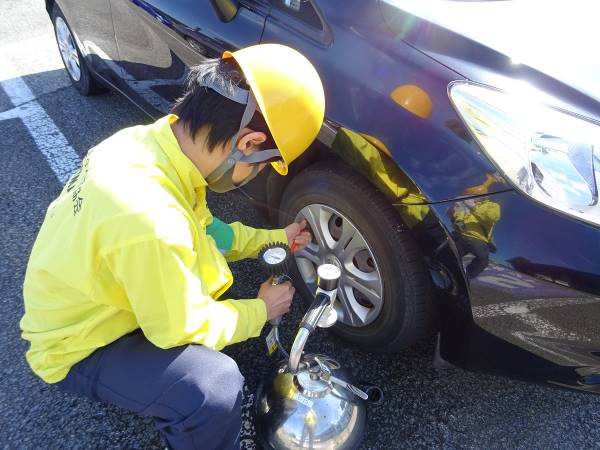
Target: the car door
(159, 39)
(91, 22)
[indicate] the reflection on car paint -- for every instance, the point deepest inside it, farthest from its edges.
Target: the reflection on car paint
(165, 20)
(474, 220)
(535, 295)
(145, 88)
(535, 332)
(374, 163)
(414, 99)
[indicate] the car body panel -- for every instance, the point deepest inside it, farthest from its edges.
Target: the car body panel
(159, 39)
(436, 153)
(532, 308)
(92, 26)
(546, 53)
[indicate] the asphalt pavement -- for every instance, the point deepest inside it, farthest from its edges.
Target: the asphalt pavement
(423, 407)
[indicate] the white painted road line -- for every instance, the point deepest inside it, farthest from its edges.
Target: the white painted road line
(61, 157)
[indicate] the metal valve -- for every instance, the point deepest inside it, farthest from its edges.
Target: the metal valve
(325, 375)
(328, 277)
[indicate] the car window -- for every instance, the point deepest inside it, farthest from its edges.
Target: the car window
(300, 9)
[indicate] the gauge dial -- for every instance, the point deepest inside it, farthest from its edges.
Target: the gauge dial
(275, 255)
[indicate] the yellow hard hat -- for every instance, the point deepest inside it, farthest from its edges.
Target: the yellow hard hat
(482, 188)
(288, 92)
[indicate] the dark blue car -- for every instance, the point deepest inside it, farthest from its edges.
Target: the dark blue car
(454, 181)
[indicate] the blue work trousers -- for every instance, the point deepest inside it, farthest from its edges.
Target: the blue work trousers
(193, 393)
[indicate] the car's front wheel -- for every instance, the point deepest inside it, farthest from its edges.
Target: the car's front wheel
(384, 289)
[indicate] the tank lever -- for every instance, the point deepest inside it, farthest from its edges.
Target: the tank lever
(325, 375)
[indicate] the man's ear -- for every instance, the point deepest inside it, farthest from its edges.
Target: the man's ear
(250, 140)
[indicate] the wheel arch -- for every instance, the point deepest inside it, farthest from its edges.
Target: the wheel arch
(364, 154)
(368, 157)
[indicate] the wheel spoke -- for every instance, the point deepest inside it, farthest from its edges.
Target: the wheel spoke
(354, 243)
(310, 252)
(348, 234)
(367, 283)
(63, 33)
(312, 286)
(348, 312)
(68, 50)
(60, 34)
(316, 218)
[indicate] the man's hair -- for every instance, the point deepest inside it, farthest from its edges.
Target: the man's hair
(201, 107)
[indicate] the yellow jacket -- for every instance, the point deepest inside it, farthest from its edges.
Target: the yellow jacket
(478, 220)
(130, 243)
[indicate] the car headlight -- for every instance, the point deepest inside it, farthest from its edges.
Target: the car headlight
(550, 155)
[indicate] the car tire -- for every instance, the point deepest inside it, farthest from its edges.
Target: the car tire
(75, 65)
(406, 314)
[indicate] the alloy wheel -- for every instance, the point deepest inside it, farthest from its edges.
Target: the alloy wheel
(337, 241)
(67, 48)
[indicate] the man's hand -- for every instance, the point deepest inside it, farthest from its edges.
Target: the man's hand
(277, 298)
(298, 234)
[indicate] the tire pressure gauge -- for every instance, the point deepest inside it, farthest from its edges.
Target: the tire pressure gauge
(275, 260)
